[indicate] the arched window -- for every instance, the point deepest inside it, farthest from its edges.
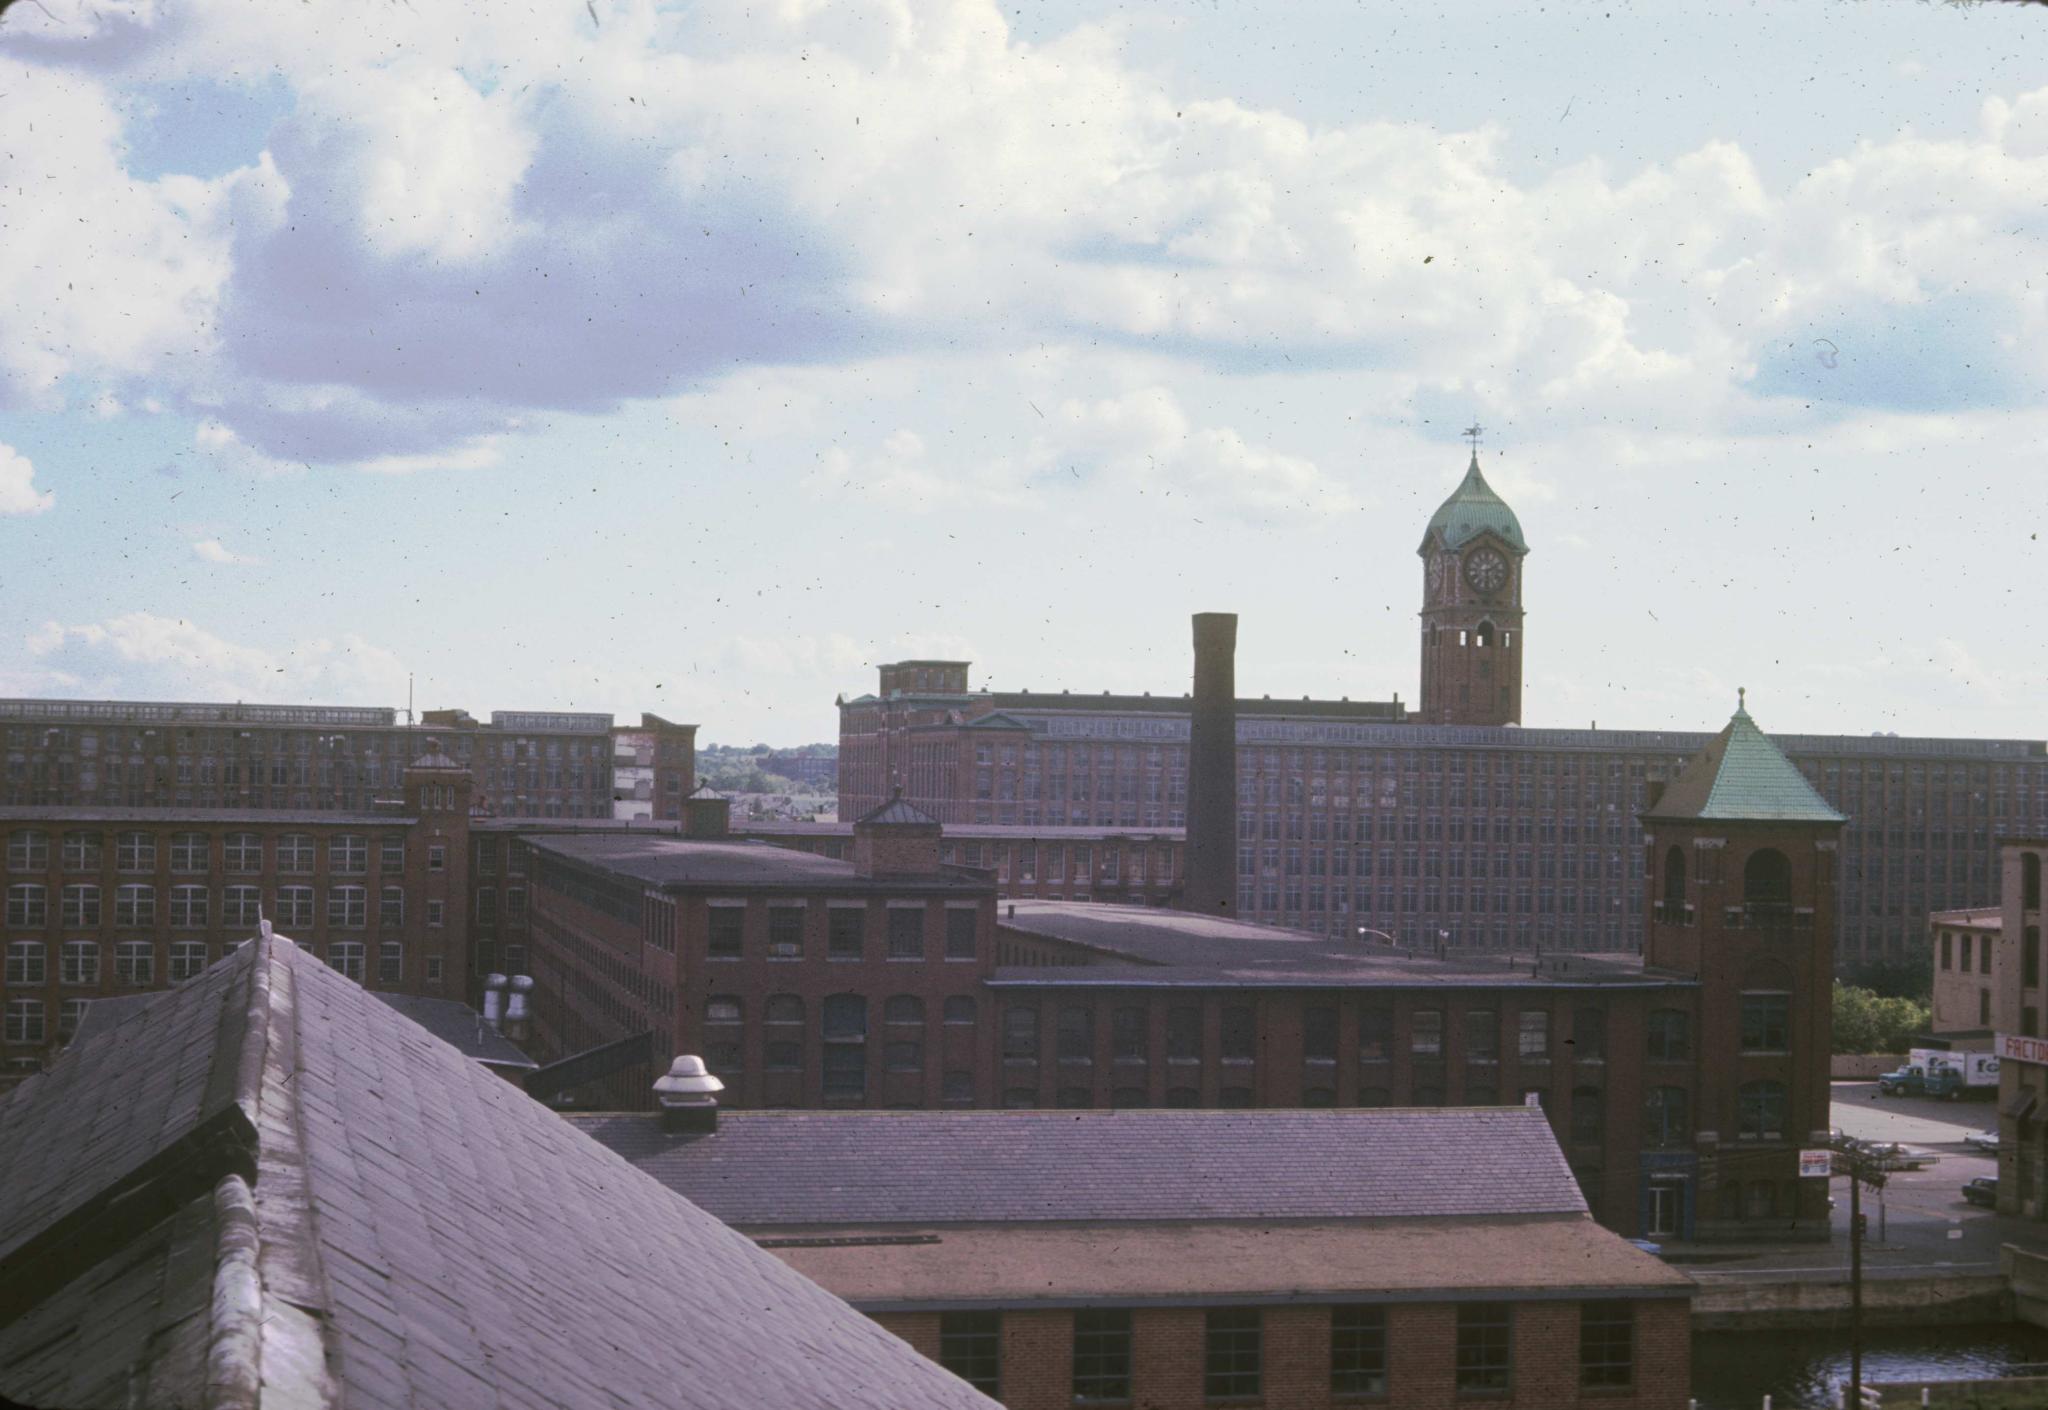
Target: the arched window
(846, 1041)
(723, 1008)
(783, 1008)
(1670, 1035)
(1666, 1115)
(783, 1057)
(903, 1008)
(1767, 878)
(1589, 1116)
(2030, 881)
(960, 1009)
(1482, 636)
(1076, 1033)
(1760, 1111)
(1674, 882)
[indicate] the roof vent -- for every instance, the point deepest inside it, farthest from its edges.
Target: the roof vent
(516, 1012)
(688, 1096)
(494, 998)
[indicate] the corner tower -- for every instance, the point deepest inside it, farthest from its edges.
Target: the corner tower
(1741, 889)
(1472, 556)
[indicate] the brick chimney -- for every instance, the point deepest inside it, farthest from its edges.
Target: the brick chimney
(896, 839)
(1212, 769)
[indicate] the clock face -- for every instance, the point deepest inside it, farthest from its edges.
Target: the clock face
(1487, 571)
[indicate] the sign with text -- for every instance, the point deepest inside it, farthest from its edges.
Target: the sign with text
(1816, 1165)
(2012, 1047)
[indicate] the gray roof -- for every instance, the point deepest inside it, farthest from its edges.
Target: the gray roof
(1741, 776)
(769, 1168)
(896, 813)
(461, 1028)
(1474, 509)
(156, 817)
(1146, 946)
(386, 1223)
(685, 863)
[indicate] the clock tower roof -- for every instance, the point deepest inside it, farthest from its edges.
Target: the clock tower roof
(1474, 509)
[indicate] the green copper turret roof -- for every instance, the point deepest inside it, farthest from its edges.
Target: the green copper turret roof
(1741, 776)
(1474, 509)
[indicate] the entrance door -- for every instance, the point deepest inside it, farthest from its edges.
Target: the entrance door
(1664, 1211)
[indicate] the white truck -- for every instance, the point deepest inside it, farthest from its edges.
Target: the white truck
(1937, 1072)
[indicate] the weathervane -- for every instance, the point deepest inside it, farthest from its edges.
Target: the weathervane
(1472, 433)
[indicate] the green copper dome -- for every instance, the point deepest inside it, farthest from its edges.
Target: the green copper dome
(1474, 509)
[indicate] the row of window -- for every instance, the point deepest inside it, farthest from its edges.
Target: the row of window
(846, 931)
(348, 854)
(191, 907)
(1234, 1352)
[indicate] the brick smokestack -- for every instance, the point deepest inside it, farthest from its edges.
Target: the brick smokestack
(1212, 769)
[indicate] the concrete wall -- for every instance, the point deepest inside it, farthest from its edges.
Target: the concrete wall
(1736, 1305)
(1863, 1067)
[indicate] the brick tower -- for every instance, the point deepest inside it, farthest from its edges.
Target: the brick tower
(1472, 556)
(1741, 894)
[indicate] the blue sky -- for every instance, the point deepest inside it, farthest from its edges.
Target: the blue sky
(695, 359)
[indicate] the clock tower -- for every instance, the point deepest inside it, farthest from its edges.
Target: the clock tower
(1472, 556)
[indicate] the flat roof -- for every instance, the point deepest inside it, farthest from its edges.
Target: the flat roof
(1504, 1257)
(1149, 945)
(778, 1169)
(210, 816)
(461, 1028)
(677, 863)
(955, 831)
(1970, 917)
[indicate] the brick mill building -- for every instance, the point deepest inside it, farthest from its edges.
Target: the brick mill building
(1680, 1083)
(1449, 822)
(1179, 1259)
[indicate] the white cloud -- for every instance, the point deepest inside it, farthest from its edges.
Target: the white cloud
(18, 492)
(214, 551)
(145, 655)
(476, 453)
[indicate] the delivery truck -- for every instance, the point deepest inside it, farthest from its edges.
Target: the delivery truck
(1936, 1072)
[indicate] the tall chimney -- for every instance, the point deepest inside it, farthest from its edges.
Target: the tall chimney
(1212, 769)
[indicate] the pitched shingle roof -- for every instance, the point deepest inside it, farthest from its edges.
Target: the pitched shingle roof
(896, 813)
(268, 1181)
(1741, 776)
(766, 1168)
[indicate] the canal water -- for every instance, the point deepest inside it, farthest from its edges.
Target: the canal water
(1799, 1370)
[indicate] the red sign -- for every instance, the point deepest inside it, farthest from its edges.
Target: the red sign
(2013, 1048)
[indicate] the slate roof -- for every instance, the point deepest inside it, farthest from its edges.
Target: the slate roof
(896, 813)
(1474, 509)
(779, 1168)
(1741, 776)
(686, 864)
(461, 1028)
(267, 1188)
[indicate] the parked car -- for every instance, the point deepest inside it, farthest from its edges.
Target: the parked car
(1983, 1141)
(1649, 1246)
(1982, 1190)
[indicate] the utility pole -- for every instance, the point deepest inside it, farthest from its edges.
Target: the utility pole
(1855, 1396)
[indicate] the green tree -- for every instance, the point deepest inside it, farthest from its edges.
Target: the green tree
(1869, 1022)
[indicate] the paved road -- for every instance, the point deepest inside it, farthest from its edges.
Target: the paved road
(1919, 1221)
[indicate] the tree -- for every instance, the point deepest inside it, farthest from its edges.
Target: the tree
(1868, 1022)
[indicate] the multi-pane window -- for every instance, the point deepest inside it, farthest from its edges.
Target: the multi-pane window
(725, 931)
(70, 1013)
(25, 962)
(437, 913)
(1102, 1353)
(188, 958)
(1760, 1111)
(28, 849)
(1240, 1033)
(437, 858)
(348, 908)
(1766, 1023)
(240, 906)
(188, 907)
(135, 851)
(348, 854)
(1589, 1034)
(188, 851)
(970, 1346)
(1183, 1034)
(960, 1009)
(1358, 1350)
(1375, 1035)
(295, 907)
(906, 933)
(1666, 1117)
(391, 907)
(295, 854)
(390, 962)
(1484, 1356)
(1075, 1033)
(960, 929)
(1670, 1035)
(844, 926)
(28, 904)
(1482, 1035)
(1020, 1034)
(347, 957)
(1534, 1036)
(1607, 1344)
(846, 1034)
(785, 932)
(135, 962)
(391, 855)
(1128, 1034)
(1426, 1033)
(1319, 1034)
(24, 1021)
(80, 962)
(1231, 1362)
(83, 851)
(135, 904)
(242, 852)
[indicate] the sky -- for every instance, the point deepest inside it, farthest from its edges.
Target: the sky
(696, 358)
